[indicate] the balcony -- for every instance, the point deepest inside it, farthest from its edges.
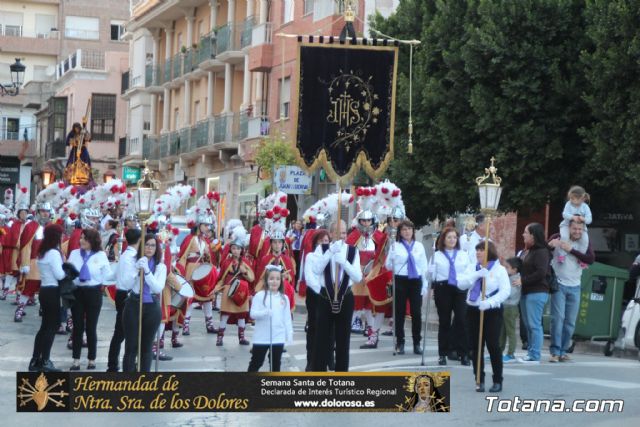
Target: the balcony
(150, 148)
(129, 149)
(55, 149)
(81, 60)
(261, 51)
(153, 79)
(207, 49)
(166, 71)
(15, 38)
(133, 83)
(229, 46)
(247, 32)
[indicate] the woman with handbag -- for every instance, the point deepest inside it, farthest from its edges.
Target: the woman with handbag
(92, 263)
(50, 267)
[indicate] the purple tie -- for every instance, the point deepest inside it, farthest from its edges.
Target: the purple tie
(146, 291)
(85, 276)
(477, 287)
(452, 279)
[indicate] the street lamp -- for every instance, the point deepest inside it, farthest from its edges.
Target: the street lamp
(145, 197)
(48, 176)
(17, 78)
(489, 190)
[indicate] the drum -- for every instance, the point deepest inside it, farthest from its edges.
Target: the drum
(378, 292)
(233, 287)
(203, 278)
(241, 292)
(181, 290)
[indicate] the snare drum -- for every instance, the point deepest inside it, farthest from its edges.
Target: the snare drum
(181, 290)
(233, 288)
(204, 278)
(241, 292)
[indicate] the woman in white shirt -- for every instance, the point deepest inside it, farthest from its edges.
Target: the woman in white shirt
(448, 262)
(270, 309)
(155, 276)
(93, 265)
(408, 261)
(50, 268)
(497, 290)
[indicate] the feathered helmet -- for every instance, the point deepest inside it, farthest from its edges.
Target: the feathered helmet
(8, 198)
(203, 212)
(389, 204)
(324, 210)
(22, 199)
(230, 226)
(367, 202)
(172, 199)
(276, 217)
(239, 236)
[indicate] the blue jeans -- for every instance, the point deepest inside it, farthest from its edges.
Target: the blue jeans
(564, 311)
(532, 306)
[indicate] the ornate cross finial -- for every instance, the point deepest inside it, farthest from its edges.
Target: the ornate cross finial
(490, 172)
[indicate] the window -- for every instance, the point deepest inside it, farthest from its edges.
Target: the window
(285, 97)
(57, 120)
(44, 24)
(308, 7)
(117, 30)
(287, 11)
(11, 24)
(9, 128)
(103, 117)
(82, 27)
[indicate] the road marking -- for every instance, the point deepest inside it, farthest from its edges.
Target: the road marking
(602, 383)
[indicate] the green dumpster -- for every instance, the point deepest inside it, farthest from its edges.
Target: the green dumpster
(600, 310)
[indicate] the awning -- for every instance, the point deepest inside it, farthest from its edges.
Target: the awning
(257, 189)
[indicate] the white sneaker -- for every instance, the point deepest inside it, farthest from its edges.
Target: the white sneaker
(528, 360)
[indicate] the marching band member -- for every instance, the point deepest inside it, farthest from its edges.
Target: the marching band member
(30, 240)
(5, 261)
(331, 272)
(197, 250)
(229, 228)
(11, 243)
(379, 280)
(125, 275)
(155, 275)
(408, 261)
(235, 276)
(364, 237)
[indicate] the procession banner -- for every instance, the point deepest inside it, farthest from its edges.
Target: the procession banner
(233, 392)
(346, 108)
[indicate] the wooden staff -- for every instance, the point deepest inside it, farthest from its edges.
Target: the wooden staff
(484, 288)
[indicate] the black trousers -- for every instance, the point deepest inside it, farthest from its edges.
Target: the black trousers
(408, 289)
(296, 258)
(50, 306)
(523, 329)
(327, 325)
(449, 300)
(311, 302)
(118, 333)
(490, 337)
(151, 316)
(85, 312)
(258, 353)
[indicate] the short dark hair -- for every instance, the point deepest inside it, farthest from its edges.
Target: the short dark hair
(492, 252)
(93, 237)
(406, 224)
(443, 235)
(479, 219)
(133, 236)
(515, 263)
(113, 223)
(51, 239)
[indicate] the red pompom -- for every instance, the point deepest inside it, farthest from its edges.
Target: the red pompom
(197, 210)
(312, 219)
(216, 196)
(159, 209)
(360, 191)
(118, 202)
(191, 224)
(269, 214)
(73, 216)
(123, 189)
(81, 200)
(65, 209)
(153, 225)
(374, 191)
(210, 195)
(61, 184)
(367, 192)
(193, 192)
(24, 190)
(175, 231)
(129, 195)
(276, 209)
(283, 199)
(284, 213)
(74, 190)
(351, 199)
(384, 190)
(395, 193)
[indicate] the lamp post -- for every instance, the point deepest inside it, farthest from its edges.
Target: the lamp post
(489, 191)
(145, 196)
(17, 78)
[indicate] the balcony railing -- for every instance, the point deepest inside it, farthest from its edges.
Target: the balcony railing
(151, 76)
(207, 47)
(150, 148)
(247, 30)
(229, 37)
(81, 59)
(261, 34)
(9, 135)
(167, 70)
(176, 65)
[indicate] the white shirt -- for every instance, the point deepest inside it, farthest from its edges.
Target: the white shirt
(281, 325)
(468, 244)
(155, 281)
(104, 220)
(398, 261)
(127, 273)
(50, 268)
(316, 262)
(498, 279)
(98, 264)
(439, 266)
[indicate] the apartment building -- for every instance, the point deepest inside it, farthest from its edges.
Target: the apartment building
(73, 52)
(209, 80)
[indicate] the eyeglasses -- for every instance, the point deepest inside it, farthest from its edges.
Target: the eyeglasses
(150, 245)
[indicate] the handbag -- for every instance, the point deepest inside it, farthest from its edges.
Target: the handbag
(552, 280)
(66, 285)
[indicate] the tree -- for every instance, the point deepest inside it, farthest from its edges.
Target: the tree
(613, 95)
(491, 78)
(274, 152)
